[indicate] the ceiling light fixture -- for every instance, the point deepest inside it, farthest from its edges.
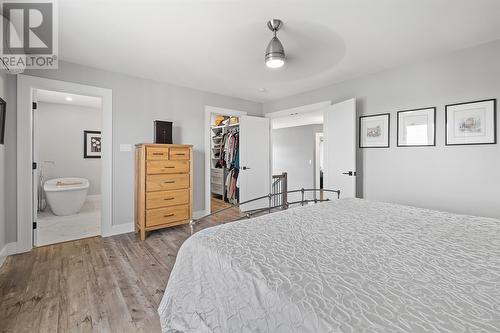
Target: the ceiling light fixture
(275, 53)
(69, 99)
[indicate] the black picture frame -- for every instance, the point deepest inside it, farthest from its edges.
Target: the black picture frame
(163, 132)
(3, 115)
(412, 110)
(388, 130)
(494, 100)
(85, 146)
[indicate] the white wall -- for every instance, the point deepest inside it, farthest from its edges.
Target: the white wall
(294, 152)
(463, 179)
(59, 138)
(137, 103)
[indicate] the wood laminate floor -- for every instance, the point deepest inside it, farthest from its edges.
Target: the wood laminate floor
(112, 284)
(218, 204)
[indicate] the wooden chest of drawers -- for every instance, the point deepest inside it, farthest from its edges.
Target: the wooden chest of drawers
(163, 186)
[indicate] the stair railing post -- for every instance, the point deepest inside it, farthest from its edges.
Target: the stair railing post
(284, 197)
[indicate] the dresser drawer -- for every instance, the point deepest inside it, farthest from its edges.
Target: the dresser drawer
(166, 215)
(156, 167)
(167, 182)
(156, 153)
(166, 198)
(179, 153)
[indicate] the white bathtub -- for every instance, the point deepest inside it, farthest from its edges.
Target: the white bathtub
(66, 195)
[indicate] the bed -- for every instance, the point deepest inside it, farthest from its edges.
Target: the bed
(348, 265)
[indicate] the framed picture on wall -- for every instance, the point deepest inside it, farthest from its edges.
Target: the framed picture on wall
(472, 123)
(417, 127)
(374, 131)
(91, 144)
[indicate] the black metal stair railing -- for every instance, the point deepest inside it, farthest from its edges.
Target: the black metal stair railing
(280, 185)
(284, 204)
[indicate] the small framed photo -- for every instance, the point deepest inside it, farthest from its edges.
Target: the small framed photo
(472, 123)
(417, 128)
(91, 144)
(374, 131)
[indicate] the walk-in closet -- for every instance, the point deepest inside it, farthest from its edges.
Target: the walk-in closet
(225, 161)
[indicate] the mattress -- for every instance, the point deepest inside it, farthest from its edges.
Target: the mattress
(348, 265)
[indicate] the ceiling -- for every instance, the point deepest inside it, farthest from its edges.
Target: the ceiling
(298, 119)
(218, 45)
(57, 97)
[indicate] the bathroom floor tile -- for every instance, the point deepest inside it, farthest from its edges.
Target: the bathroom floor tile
(53, 229)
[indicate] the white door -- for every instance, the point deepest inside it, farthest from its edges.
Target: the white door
(254, 176)
(340, 149)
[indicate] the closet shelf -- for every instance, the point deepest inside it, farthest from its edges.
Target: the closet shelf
(224, 126)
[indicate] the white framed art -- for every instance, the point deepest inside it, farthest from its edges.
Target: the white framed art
(374, 131)
(471, 123)
(417, 127)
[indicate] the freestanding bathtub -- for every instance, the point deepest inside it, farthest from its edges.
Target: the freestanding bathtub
(66, 195)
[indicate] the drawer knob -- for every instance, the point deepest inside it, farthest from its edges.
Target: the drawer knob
(180, 154)
(157, 153)
(169, 182)
(168, 215)
(168, 167)
(168, 199)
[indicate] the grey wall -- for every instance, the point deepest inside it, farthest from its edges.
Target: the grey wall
(3, 239)
(59, 137)
(293, 148)
(136, 104)
(463, 179)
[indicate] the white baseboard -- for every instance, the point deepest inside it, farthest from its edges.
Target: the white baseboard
(129, 227)
(119, 229)
(7, 250)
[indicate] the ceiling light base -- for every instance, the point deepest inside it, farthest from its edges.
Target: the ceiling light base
(274, 24)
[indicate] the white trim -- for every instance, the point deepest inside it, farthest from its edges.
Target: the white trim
(209, 110)
(7, 250)
(25, 85)
(118, 229)
(300, 109)
(317, 179)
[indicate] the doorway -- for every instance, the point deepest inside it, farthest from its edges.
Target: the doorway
(27, 175)
(235, 173)
(299, 151)
(296, 152)
(67, 179)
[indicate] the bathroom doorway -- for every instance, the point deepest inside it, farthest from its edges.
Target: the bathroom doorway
(67, 155)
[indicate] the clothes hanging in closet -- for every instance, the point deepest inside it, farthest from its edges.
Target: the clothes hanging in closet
(228, 149)
(229, 158)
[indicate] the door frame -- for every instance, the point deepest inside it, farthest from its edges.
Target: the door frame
(25, 86)
(317, 171)
(209, 110)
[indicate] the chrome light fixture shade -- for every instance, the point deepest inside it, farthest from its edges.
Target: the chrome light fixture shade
(275, 53)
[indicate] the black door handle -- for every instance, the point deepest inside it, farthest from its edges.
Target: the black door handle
(349, 173)
(245, 168)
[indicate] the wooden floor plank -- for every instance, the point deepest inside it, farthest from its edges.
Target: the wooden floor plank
(112, 284)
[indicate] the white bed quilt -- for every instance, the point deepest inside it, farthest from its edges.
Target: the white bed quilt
(348, 265)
